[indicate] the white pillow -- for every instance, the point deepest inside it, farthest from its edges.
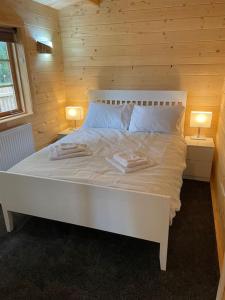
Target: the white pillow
(108, 116)
(165, 119)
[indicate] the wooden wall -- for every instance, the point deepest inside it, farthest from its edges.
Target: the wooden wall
(46, 71)
(151, 44)
(218, 183)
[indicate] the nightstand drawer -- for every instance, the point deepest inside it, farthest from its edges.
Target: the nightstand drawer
(199, 158)
(198, 169)
(200, 153)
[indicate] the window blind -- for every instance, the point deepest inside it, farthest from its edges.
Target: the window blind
(7, 34)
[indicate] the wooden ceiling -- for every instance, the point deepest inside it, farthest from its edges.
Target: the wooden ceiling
(58, 4)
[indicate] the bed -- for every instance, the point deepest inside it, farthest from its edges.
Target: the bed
(90, 192)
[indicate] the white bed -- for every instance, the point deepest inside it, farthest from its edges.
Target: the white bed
(88, 191)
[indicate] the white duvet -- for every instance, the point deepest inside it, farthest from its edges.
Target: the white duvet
(165, 178)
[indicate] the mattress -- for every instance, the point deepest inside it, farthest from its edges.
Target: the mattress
(164, 178)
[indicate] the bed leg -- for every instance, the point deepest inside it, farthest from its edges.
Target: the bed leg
(8, 217)
(163, 256)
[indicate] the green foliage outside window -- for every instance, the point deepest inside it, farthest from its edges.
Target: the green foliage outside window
(3, 51)
(5, 71)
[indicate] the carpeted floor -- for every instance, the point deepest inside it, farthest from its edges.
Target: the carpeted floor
(51, 260)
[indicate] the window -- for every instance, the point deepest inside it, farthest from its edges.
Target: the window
(12, 79)
(10, 102)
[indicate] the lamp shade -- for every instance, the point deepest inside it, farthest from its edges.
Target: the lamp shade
(201, 119)
(74, 113)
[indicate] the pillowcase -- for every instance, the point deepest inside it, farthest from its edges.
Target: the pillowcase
(164, 119)
(108, 116)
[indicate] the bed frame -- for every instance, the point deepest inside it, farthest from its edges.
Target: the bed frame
(135, 214)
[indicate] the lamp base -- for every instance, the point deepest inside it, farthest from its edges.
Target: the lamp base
(198, 136)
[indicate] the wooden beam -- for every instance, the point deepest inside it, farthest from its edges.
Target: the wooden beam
(8, 16)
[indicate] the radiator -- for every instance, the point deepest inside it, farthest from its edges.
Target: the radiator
(15, 145)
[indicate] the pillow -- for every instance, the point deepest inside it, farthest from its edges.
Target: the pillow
(165, 119)
(108, 116)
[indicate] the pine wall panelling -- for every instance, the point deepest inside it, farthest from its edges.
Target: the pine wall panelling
(159, 44)
(45, 70)
(218, 183)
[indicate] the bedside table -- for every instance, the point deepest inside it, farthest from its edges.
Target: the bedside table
(65, 132)
(199, 158)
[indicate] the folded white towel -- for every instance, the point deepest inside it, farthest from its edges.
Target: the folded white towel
(61, 151)
(68, 150)
(69, 146)
(128, 169)
(53, 155)
(129, 160)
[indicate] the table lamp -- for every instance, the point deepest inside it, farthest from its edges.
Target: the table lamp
(74, 113)
(200, 119)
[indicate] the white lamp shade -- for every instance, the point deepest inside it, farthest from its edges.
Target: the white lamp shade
(201, 119)
(74, 113)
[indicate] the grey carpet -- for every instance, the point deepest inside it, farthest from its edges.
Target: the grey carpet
(50, 260)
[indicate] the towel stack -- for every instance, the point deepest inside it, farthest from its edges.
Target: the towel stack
(129, 162)
(68, 150)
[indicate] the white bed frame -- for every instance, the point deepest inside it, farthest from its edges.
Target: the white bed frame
(135, 214)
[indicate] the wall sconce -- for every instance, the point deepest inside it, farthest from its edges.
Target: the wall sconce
(44, 47)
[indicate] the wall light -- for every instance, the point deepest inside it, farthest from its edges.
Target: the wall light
(200, 119)
(44, 47)
(74, 113)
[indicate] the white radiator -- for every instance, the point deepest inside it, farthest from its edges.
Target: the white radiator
(15, 145)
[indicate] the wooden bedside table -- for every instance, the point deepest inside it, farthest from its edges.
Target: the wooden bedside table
(199, 158)
(65, 132)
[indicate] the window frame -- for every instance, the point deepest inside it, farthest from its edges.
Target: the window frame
(15, 83)
(19, 68)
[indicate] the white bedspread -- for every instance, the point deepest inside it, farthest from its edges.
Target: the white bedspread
(165, 178)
